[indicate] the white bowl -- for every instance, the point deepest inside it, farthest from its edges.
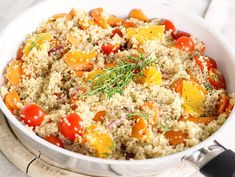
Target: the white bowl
(12, 36)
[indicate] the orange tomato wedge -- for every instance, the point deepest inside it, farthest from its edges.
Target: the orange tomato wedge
(14, 72)
(71, 14)
(98, 16)
(57, 16)
(148, 105)
(202, 120)
(11, 99)
(129, 24)
(36, 41)
(138, 14)
(114, 21)
(175, 137)
(93, 74)
(193, 95)
(74, 41)
(80, 61)
(85, 25)
(101, 142)
(140, 129)
(99, 116)
(151, 76)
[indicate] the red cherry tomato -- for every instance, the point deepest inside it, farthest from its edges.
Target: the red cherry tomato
(216, 79)
(169, 26)
(32, 115)
(185, 43)
(209, 62)
(116, 31)
(108, 48)
(71, 126)
(54, 140)
(179, 34)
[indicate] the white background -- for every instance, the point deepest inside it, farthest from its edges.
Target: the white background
(223, 19)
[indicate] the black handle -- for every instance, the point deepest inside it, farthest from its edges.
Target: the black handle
(222, 165)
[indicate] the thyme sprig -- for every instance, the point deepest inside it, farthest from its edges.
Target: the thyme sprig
(115, 79)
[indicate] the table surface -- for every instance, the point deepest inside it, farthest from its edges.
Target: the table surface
(11, 8)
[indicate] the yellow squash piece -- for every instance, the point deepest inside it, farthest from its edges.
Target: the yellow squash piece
(151, 76)
(78, 60)
(151, 32)
(101, 142)
(36, 41)
(193, 96)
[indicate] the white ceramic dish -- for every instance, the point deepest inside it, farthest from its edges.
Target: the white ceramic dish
(27, 22)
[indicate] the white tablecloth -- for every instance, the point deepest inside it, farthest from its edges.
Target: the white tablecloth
(10, 8)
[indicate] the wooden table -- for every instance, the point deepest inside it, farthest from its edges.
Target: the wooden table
(10, 8)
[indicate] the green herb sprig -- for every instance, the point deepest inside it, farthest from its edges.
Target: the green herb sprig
(115, 79)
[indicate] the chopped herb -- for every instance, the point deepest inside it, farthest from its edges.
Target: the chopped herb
(141, 114)
(216, 78)
(207, 87)
(35, 42)
(115, 80)
(164, 128)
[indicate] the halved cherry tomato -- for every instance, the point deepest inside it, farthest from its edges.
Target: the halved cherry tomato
(179, 34)
(185, 43)
(175, 137)
(169, 26)
(209, 62)
(99, 116)
(108, 48)
(216, 79)
(116, 31)
(32, 115)
(54, 140)
(71, 126)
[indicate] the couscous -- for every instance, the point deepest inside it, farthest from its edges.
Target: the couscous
(115, 88)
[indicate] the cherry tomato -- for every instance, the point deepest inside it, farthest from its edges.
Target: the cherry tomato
(108, 48)
(222, 104)
(216, 79)
(179, 34)
(185, 43)
(169, 26)
(116, 31)
(71, 126)
(209, 62)
(32, 115)
(54, 140)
